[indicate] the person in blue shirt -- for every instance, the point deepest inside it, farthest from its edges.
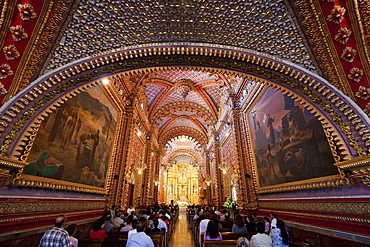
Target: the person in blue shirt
(140, 239)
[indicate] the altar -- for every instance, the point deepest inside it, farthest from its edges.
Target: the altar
(183, 204)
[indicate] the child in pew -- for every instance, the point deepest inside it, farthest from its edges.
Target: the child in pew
(212, 232)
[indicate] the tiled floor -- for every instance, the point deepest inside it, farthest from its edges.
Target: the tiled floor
(182, 236)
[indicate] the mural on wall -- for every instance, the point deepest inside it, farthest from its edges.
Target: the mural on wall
(290, 143)
(74, 143)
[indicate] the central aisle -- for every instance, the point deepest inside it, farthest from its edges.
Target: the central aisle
(182, 236)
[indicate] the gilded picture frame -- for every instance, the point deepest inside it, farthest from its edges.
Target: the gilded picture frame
(291, 150)
(72, 147)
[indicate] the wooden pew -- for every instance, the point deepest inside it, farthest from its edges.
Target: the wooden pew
(158, 239)
(221, 243)
(231, 236)
(88, 242)
(298, 243)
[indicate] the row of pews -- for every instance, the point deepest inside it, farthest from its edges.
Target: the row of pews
(229, 238)
(160, 239)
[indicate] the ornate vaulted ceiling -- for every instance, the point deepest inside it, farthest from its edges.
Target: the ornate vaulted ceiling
(264, 26)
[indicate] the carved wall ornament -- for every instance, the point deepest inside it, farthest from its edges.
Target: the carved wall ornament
(26, 11)
(11, 52)
(367, 109)
(5, 71)
(343, 35)
(363, 93)
(348, 54)
(337, 14)
(18, 33)
(355, 74)
(2, 89)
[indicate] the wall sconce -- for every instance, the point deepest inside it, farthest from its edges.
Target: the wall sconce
(224, 167)
(156, 182)
(140, 167)
(208, 182)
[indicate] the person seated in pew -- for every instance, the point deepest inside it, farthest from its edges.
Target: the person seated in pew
(156, 228)
(128, 227)
(212, 232)
(243, 242)
(97, 231)
(279, 235)
(134, 224)
(72, 229)
(249, 223)
(140, 239)
(148, 229)
(227, 223)
(218, 223)
(239, 225)
(162, 224)
(260, 239)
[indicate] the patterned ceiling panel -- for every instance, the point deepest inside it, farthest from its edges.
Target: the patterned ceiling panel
(263, 26)
(162, 121)
(176, 96)
(176, 75)
(216, 93)
(184, 122)
(152, 92)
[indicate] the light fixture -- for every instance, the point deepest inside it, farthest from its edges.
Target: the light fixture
(208, 181)
(156, 181)
(224, 167)
(140, 167)
(105, 81)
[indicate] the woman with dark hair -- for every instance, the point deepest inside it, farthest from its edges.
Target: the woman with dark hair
(212, 232)
(273, 220)
(279, 235)
(97, 232)
(239, 225)
(267, 224)
(249, 223)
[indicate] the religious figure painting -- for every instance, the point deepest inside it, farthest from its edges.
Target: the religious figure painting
(75, 141)
(289, 142)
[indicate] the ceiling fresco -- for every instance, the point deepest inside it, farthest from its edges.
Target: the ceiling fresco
(264, 26)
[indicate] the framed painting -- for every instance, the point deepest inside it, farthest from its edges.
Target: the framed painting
(74, 143)
(289, 142)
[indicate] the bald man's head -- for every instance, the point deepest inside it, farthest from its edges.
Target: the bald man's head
(60, 220)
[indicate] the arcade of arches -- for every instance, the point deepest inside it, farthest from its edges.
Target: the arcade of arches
(265, 103)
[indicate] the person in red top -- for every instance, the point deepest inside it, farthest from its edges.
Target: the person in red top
(97, 232)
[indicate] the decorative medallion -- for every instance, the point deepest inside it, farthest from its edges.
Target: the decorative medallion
(337, 14)
(11, 52)
(343, 35)
(355, 74)
(363, 93)
(348, 54)
(5, 71)
(18, 33)
(26, 11)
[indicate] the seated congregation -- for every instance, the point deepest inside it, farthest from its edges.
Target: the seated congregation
(149, 227)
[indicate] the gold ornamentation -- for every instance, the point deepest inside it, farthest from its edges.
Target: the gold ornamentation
(367, 109)
(343, 207)
(359, 168)
(26, 11)
(5, 71)
(348, 54)
(363, 93)
(47, 183)
(337, 14)
(2, 89)
(355, 74)
(18, 33)
(11, 52)
(343, 35)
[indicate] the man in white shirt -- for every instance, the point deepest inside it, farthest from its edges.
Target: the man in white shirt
(260, 239)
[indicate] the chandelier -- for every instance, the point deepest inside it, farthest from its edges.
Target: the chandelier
(140, 167)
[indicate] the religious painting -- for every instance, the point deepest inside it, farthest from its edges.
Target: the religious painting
(74, 142)
(289, 141)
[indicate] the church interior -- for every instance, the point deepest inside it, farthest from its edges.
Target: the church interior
(261, 104)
